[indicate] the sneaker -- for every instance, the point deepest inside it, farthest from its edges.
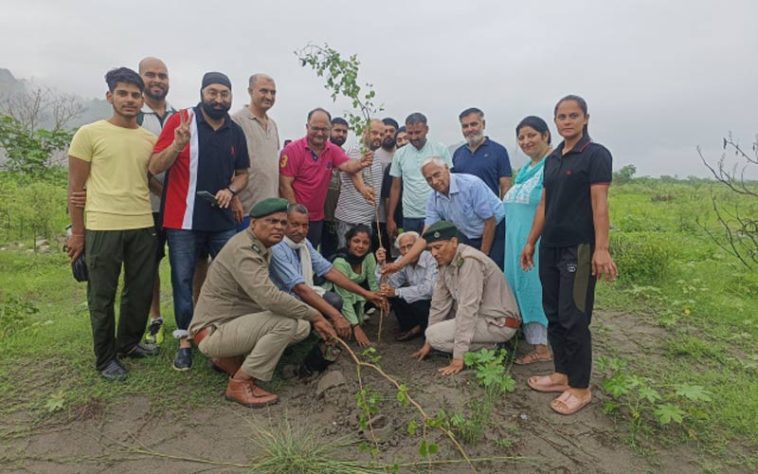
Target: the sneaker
(155, 332)
(140, 351)
(114, 371)
(183, 359)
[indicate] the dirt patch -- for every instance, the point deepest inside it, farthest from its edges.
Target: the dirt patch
(127, 436)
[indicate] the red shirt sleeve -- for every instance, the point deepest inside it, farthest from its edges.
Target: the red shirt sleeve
(289, 161)
(167, 134)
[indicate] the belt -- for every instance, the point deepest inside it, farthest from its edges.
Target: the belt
(201, 334)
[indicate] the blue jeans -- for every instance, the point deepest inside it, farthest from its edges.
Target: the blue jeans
(413, 223)
(244, 224)
(184, 247)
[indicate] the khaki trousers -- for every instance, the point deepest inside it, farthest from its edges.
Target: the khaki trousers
(261, 337)
(441, 336)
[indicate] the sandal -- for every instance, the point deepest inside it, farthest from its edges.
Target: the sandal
(568, 403)
(533, 357)
(542, 383)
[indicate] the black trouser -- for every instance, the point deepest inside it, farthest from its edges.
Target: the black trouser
(568, 293)
(386, 243)
(410, 315)
(106, 252)
(497, 250)
(327, 237)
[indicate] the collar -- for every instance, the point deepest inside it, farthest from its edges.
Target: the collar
(581, 145)
(256, 244)
(452, 188)
(484, 143)
(147, 110)
(327, 147)
(250, 115)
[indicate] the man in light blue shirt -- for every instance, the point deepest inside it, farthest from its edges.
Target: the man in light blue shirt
(295, 263)
(406, 175)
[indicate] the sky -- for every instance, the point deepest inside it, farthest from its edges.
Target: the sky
(660, 77)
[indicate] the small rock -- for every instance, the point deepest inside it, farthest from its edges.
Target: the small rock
(330, 379)
(523, 416)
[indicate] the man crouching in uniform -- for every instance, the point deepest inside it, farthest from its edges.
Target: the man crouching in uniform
(471, 290)
(243, 322)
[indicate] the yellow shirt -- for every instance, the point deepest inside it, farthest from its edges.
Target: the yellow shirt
(117, 194)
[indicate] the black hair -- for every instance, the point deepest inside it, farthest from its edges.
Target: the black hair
(469, 111)
(580, 102)
(402, 130)
(359, 229)
(340, 121)
(391, 122)
(319, 109)
(536, 123)
(123, 74)
(414, 118)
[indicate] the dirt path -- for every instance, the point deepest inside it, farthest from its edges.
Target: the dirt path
(105, 438)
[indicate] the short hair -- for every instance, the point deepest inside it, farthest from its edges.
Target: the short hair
(391, 122)
(340, 121)
(319, 109)
(401, 129)
(408, 233)
(434, 160)
(415, 118)
(469, 111)
(297, 207)
(258, 75)
(123, 74)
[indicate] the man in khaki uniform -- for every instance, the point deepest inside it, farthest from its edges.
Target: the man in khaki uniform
(470, 288)
(242, 320)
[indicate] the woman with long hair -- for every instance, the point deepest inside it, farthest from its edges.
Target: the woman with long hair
(572, 221)
(520, 204)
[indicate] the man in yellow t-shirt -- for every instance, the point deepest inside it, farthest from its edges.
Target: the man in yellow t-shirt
(109, 158)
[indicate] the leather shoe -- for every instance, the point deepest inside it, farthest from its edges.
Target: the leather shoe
(412, 333)
(183, 359)
(227, 365)
(114, 371)
(246, 393)
(140, 351)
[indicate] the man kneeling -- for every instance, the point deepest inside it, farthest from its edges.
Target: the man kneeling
(471, 288)
(242, 320)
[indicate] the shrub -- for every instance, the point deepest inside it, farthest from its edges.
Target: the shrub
(641, 257)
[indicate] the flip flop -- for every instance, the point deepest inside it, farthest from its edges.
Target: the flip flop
(532, 358)
(568, 404)
(542, 383)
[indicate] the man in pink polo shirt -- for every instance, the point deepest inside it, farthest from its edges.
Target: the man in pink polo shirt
(306, 167)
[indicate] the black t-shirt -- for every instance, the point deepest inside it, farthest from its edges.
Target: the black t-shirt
(568, 203)
(385, 194)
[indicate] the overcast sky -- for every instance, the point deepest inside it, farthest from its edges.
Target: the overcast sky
(660, 77)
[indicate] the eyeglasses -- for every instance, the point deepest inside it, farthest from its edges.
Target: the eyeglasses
(272, 221)
(213, 93)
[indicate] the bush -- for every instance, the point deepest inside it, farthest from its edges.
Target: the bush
(641, 257)
(31, 209)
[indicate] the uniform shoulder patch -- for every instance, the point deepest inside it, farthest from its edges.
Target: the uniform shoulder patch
(256, 248)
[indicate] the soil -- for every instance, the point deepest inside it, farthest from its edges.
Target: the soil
(109, 438)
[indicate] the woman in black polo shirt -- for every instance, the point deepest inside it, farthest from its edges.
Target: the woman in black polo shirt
(572, 219)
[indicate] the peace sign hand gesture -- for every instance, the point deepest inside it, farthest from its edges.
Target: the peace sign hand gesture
(182, 132)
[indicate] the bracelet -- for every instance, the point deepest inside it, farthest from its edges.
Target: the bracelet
(231, 190)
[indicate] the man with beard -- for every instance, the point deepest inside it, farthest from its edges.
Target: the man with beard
(110, 157)
(243, 321)
(384, 155)
(153, 115)
(481, 156)
(306, 168)
(406, 175)
(329, 233)
(390, 144)
(358, 191)
(205, 154)
(262, 136)
(295, 263)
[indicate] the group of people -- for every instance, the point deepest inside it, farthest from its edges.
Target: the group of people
(268, 244)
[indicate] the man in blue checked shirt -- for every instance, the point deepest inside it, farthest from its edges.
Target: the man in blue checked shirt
(466, 201)
(409, 290)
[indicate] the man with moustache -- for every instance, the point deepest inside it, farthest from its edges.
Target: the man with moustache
(153, 115)
(305, 168)
(205, 154)
(330, 233)
(481, 156)
(262, 135)
(358, 191)
(115, 226)
(406, 175)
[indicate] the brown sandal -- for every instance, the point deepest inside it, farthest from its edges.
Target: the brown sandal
(533, 357)
(568, 403)
(542, 383)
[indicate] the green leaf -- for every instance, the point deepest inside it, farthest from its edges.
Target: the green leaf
(412, 427)
(666, 413)
(423, 448)
(649, 394)
(692, 392)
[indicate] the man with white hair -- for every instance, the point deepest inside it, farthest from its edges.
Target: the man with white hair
(409, 290)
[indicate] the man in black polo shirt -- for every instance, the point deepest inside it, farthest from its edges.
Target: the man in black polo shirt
(206, 156)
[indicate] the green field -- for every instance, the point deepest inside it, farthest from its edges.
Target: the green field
(673, 276)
